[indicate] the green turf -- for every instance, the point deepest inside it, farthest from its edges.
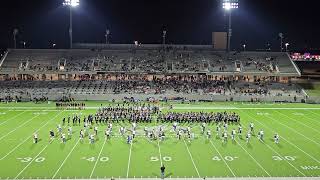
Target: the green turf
(298, 153)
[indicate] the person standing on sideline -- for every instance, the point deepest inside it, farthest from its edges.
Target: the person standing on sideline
(162, 168)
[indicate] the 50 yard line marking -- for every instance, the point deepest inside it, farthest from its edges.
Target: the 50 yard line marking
(222, 158)
(29, 136)
(160, 153)
(31, 161)
(195, 167)
(97, 160)
(64, 161)
(129, 159)
(12, 118)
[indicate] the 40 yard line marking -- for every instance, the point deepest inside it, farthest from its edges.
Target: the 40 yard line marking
(285, 139)
(97, 160)
(222, 158)
(29, 136)
(65, 159)
(129, 159)
(18, 127)
(195, 167)
(254, 159)
(31, 161)
(12, 118)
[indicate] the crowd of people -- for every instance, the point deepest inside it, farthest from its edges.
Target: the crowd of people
(192, 117)
(70, 105)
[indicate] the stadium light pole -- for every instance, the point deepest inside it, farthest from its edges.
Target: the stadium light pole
(71, 4)
(15, 33)
(287, 44)
(107, 36)
(229, 6)
(164, 35)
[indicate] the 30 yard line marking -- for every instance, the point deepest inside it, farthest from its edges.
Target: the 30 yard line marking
(222, 158)
(315, 130)
(129, 159)
(31, 161)
(12, 118)
(254, 159)
(194, 165)
(97, 160)
(285, 139)
(18, 127)
(29, 136)
(64, 161)
(282, 157)
(294, 131)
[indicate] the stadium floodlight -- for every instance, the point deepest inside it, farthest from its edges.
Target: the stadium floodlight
(15, 33)
(71, 4)
(164, 35)
(244, 47)
(287, 44)
(229, 5)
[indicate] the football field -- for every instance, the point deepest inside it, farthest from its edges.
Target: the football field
(297, 154)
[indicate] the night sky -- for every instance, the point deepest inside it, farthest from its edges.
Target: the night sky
(255, 23)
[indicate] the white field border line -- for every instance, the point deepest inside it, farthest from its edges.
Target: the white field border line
(97, 160)
(285, 139)
(254, 159)
(12, 118)
(182, 108)
(311, 117)
(65, 159)
(317, 131)
(31, 162)
(129, 159)
(160, 153)
(294, 131)
(195, 167)
(282, 157)
(18, 127)
(222, 158)
(29, 137)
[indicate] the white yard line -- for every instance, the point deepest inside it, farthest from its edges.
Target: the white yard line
(129, 159)
(316, 115)
(284, 139)
(64, 161)
(303, 124)
(254, 159)
(283, 158)
(98, 159)
(18, 127)
(16, 147)
(31, 162)
(292, 129)
(12, 118)
(225, 162)
(160, 153)
(194, 164)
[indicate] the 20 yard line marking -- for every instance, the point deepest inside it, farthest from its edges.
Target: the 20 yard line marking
(64, 161)
(29, 137)
(195, 167)
(129, 159)
(31, 161)
(254, 159)
(222, 158)
(285, 139)
(18, 127)
(12, 118)
(97, 160)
